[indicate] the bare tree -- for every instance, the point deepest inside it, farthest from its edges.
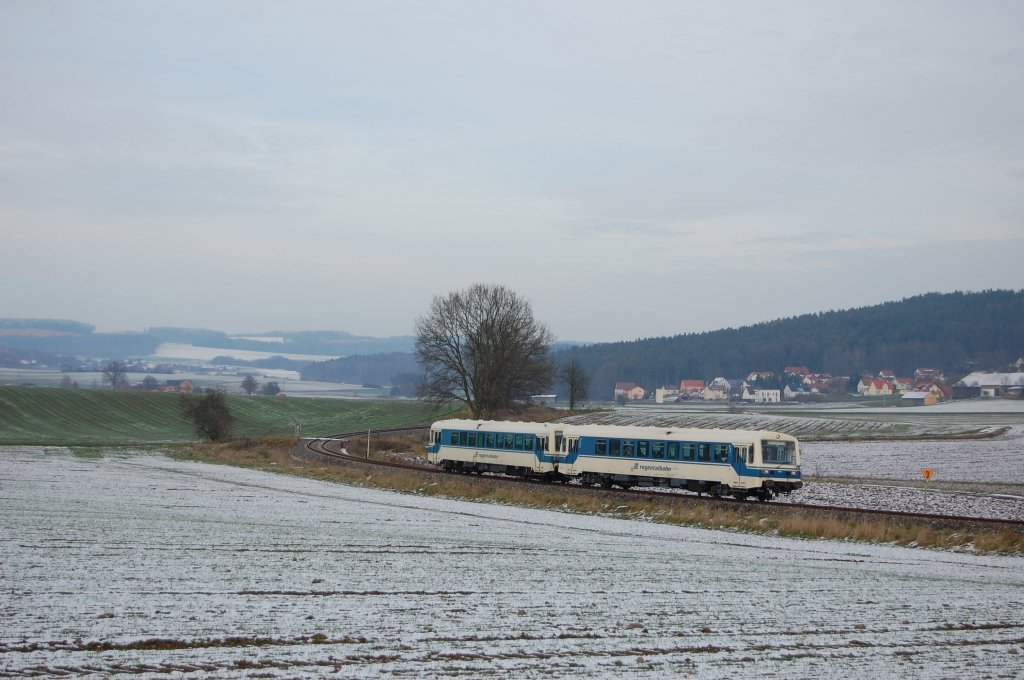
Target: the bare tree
(250, 384)
(576, 380)
(115, 373)
(149, 383)
(483, 347)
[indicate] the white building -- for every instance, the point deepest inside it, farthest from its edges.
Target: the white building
(768, 396)
(993, 384)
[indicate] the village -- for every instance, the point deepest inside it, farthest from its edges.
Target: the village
(927, 387)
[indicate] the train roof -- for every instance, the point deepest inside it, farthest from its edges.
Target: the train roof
(496, 426)
(621, 431)
(668, 432)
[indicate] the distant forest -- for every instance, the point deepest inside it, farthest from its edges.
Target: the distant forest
(392, 368)
(956, 332)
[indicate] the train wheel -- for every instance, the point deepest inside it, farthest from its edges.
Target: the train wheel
(765, 495)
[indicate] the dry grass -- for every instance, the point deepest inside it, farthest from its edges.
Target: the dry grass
(274, 455)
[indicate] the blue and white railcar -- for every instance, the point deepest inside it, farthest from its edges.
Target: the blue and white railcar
(738, 463)
(517, 448)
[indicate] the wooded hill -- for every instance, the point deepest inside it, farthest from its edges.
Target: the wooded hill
(956, 332)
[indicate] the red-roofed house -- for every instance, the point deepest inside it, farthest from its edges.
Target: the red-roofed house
(795, 370)
(691, 389)
(873, 387)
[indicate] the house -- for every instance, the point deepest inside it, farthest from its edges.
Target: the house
(754, 376)
(717, 390)
(629, 390)
(691, 389)
(918, 399)
(796, 370)
(928, 374)
(789, 394)
(663, 394)
(767, 396)
(886, 374)
(873, 387)
(178, 386)
(903, 384)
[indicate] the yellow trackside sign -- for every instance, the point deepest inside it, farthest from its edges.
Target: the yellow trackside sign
(927, 472)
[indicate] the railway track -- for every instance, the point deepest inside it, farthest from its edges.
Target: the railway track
(322, 446)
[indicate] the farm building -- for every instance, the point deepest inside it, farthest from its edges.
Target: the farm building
(994, 384)
(918, 399)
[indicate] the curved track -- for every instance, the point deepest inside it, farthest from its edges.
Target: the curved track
(320, 446)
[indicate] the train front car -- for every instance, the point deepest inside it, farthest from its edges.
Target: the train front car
(775, 463)
(740, 463)
(515, 448)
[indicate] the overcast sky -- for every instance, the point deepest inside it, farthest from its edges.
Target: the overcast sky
(634, 169)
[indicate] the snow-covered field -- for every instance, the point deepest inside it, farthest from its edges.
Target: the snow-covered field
(996, 459)
(246, 573)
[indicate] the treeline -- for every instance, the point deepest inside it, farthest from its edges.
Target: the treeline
(363, 369)
(85, 344)
(58, 325)
(955, 332)
(276, 362)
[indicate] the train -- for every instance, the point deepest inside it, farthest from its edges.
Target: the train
(739, 463)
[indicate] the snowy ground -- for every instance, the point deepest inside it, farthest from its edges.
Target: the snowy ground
(998, 461)
(241, 572)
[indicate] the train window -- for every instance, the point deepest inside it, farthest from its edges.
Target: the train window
(472, 438)
(542, 443)
(528, 442)
(778, 452)
(643, 449)
(509, 441)
(490, 440)
(673, 450)
(721, 452)
(601, 447)
(703, 453)
(628, 446)
(519, 442)
(657, 449)
(574, 445)
(616, 447)
(687, 452)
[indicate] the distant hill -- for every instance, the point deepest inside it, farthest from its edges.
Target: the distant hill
(64, 337)
(955, 332)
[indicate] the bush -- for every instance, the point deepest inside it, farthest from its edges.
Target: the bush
(209, 414)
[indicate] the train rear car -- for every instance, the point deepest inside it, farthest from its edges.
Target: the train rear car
(516, 448)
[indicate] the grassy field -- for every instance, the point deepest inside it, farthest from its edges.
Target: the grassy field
(66, 417)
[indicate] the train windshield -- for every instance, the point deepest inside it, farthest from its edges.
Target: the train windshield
(778, 452)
